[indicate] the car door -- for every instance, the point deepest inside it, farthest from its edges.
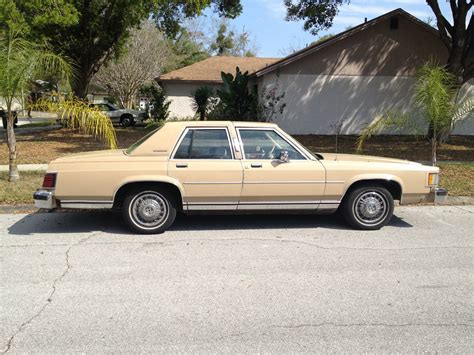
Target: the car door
(204, 162)
(272, 183)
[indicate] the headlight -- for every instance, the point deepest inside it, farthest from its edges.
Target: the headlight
(433, 179)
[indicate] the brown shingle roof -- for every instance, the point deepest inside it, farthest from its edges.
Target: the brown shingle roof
(209, 70)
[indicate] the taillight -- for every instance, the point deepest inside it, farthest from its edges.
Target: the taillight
(49, 180)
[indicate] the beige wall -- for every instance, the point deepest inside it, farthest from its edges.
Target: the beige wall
(180, 95)
(315, 103)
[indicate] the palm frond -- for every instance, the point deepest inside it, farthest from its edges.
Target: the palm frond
(78, 115)
(389, 120)
(463, 111)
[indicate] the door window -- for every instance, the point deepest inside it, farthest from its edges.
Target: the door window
(266, 144)
(204, 144)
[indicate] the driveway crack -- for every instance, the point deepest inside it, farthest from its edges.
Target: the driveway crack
(49, 300)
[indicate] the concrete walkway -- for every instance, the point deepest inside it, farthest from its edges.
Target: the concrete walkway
(26, 167)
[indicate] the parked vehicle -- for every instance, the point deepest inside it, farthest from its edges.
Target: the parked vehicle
(233, 166)
(3, 115)
(124, 117)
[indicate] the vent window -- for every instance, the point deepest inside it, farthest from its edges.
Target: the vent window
(394, 23)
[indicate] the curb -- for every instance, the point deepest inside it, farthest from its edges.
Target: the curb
(26, 167)
(20, 131)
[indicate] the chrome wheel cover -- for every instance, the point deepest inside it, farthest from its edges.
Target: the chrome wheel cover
(370, 208)
(149, 210)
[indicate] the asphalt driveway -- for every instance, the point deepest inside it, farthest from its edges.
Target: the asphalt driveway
(78, 282)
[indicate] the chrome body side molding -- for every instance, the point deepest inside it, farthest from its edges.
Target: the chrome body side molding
(262, 205)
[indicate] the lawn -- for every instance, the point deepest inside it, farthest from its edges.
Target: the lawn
(21, 191)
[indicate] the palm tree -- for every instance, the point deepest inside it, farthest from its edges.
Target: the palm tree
(435, 99)
(21, 61)
(201, 100)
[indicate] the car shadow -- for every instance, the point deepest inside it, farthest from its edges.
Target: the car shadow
(65, 222)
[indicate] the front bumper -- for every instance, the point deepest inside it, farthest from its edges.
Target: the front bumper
(44, 199)
(440, 195)
(437, 195)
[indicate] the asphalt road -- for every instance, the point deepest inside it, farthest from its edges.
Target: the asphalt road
(77, 282)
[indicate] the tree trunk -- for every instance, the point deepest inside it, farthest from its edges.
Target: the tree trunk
(80, 85)
(434, 144)
(202, 115)
(13, 174)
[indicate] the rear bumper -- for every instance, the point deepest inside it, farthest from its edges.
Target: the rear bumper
(44, 199)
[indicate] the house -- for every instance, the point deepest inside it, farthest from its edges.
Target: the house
(180, 84)
(349, 79)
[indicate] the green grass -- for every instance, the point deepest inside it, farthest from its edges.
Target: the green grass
(458, 179)
(12, 193)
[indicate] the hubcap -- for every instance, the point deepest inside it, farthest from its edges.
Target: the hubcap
(370, 207)
(149, 209)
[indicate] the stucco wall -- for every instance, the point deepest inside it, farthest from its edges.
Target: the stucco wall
(180, 95)
(316, 103)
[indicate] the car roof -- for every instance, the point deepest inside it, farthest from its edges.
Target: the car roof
(222, 123)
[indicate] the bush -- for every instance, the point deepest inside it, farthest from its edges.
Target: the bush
(158, 105)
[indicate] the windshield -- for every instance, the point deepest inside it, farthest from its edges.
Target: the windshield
(139, 142)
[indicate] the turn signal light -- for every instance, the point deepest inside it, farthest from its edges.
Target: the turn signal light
(49, 180)
(433, 179)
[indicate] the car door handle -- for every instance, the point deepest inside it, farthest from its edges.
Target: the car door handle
(181, 165)
(256, 165)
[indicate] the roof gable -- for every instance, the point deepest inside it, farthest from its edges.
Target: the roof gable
(299, 55)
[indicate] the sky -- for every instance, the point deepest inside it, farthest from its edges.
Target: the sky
(275, 37)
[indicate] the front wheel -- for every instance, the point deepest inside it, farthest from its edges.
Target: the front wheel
(368, 207)
(149, 211)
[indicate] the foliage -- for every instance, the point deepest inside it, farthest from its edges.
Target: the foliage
(20, 62)
(323, 38)
(230, 42)
(224, 41)
(186, 50)
(435, 99)
(271, 103)
(201, 101)
(96, 31)
(77, 114)
(236, 101)
(157, 101)
(316, 14)
(145, 55)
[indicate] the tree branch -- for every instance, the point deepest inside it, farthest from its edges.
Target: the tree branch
(442, 23)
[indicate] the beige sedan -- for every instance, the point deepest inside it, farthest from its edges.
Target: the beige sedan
(232, 166)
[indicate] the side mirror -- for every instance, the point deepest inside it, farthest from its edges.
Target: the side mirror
(284, 156)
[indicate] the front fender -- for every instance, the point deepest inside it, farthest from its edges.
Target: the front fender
(368, 177)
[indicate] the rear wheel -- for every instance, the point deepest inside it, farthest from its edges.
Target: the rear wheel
(149, 211)
(368, 207)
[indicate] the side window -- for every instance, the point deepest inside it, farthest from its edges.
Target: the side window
(204, 144)
(266, 144)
